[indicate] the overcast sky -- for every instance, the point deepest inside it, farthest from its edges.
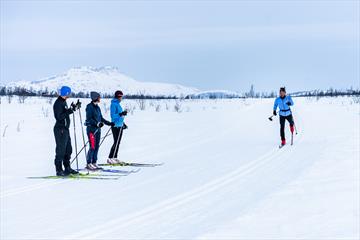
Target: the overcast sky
(206, 44)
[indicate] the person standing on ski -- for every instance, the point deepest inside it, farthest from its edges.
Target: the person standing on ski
(61, 132)
(117, 117)
(94, 122)
(283, 102)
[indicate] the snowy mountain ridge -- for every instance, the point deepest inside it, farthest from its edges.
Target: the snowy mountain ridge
(104, 80)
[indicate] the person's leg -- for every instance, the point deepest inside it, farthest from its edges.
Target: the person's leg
(90, 155)
(290, 119)
(96, 147)
(68, 151)
(282, 128)
(118, 142)
(115, 133)
(60, 149)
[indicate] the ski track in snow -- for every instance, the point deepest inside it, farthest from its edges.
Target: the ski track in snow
(145, 215)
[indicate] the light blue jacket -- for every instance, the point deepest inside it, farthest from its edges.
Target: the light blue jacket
(115, 110)
(282, 104)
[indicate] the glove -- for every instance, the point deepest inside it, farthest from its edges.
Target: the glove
(78, 104)
(288, 103)
(124, 113)
(112, 124)
(73, 107)
(274, 113)
(124, 126)
(100, 124)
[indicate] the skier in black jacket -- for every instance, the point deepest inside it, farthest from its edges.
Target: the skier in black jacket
(94, 122)
(61, 131)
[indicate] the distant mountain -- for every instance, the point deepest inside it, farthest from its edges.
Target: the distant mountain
(105, 80)
(215, 94)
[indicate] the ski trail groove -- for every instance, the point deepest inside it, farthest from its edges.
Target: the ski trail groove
(178, 200)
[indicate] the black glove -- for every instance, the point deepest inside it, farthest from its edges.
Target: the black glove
(112, 124)
(274, 113)
(288, 103)
(78, 104)
(73, 107)
(124, 126)
(124, 113)
(100, 124)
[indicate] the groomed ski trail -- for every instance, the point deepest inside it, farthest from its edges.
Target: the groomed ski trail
(142, 216)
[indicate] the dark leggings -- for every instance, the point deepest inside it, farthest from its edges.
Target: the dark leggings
(117, 135)
(282, 124)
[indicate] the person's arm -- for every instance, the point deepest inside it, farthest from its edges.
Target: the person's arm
(276, 103)
(114, 113)
(290, 101)
(275, 106)
(59, 113)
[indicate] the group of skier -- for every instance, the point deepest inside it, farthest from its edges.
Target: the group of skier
(94, 122)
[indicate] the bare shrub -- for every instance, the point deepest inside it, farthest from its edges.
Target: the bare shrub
(141, 103)
(45, 111)
(9, 98)
(22, 98)
(4, 132)
(177, 106)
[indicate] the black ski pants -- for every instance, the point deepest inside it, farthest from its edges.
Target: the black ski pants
(63, 147)
(282, 124)
(117, 135)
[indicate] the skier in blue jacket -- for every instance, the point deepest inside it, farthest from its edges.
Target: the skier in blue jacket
(94, 122)
(283, 102)
(117, 118)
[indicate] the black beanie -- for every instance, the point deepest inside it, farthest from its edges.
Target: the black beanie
(118, 94)
(282, 89)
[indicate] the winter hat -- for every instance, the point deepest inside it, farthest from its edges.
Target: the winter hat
(65, 91)
(94, 96)
(118, 94)
(282, 89)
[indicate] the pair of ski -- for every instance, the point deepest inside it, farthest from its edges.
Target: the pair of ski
(83, 176)
(128, 164)
(114, 174)
(292, 141)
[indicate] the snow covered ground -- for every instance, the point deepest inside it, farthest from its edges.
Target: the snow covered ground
(223, 175)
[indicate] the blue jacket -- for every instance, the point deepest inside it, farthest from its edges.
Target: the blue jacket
(282, 104)
(115, 110)
(94, 117)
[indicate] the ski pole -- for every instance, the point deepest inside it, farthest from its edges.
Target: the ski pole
(107, 134)
(82, 148)
(82, 130)
(77, 161)
(271, 117)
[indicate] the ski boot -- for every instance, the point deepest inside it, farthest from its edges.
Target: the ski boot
(59, 170)
(97, 167)
(111, 161)
(69, 171)
(283, 142)
(90, 167)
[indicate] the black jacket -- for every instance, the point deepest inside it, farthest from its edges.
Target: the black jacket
(94, 117)
(61, 113)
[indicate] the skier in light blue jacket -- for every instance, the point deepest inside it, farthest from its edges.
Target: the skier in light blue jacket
(283, 102)
(117, 117)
